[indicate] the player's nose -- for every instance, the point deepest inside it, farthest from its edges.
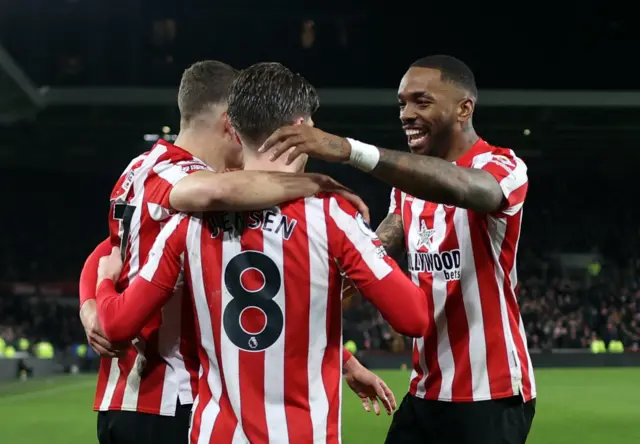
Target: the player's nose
(408, 114)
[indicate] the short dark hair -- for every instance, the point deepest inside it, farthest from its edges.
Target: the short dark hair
(451, 70)
(266, 96)
(204, 84)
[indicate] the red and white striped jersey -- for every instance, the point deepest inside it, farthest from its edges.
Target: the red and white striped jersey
(266, 287)
(465, 261)
(139, 208)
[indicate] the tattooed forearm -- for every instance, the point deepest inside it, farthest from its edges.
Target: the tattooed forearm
(436, 180)
(391, 234)
(338, 144)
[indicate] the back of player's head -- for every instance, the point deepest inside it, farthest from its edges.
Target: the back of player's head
(266, 96)
(203, 85)
(452, 70)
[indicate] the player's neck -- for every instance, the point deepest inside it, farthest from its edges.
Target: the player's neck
(260, 162)
(199, 145)
(461, 143)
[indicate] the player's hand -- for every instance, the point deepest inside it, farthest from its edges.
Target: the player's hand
(369, 387)
(349, 288)
(95, 335)
(309, 140)
(329, 185)
(110, 266)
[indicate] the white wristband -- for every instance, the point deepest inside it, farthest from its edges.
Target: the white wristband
(363, 155)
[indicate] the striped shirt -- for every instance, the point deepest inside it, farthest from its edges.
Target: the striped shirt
(163, 367)
(266, 290)
(465, 262)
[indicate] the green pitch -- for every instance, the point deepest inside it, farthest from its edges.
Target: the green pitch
(586, 406)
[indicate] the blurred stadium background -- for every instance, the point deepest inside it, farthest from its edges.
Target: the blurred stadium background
(87, 84)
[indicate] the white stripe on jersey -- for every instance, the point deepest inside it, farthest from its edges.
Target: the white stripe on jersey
(319, 276)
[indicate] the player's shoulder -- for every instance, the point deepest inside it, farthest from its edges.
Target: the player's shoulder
(334, 202)
(168, 155)
(505, 157)
(324, 201)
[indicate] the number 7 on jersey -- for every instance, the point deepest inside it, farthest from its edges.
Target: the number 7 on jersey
(124, 213)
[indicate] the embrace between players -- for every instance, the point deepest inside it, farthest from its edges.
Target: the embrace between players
(217, 307)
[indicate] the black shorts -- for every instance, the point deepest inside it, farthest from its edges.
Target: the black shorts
(118, 427)
(501, 421)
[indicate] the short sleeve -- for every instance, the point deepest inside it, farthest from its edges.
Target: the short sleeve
(395, 203)
(355, 246)
(166, 175)
(164, 262)
(511, 173)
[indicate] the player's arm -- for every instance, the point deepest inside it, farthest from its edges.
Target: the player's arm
(364, 260)
(124, 315)
(424, 177)
(248, 190)
(391, 230)
(89, 274)
(96, 337)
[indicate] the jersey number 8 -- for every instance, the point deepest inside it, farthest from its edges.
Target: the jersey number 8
(260, 299)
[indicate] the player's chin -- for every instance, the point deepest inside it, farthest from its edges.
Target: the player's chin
(419, 146)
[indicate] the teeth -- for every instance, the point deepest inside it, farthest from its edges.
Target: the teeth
(413, 132)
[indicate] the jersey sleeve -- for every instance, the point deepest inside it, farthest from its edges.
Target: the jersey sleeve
(511, 173)
(166, 175)
(89, 274)
(164, 262)
(363, 259)
(395, 203)
(123, 316)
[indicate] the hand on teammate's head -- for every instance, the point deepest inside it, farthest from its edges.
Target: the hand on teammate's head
(295, 140)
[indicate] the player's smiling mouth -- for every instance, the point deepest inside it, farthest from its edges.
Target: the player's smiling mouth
(416, 136)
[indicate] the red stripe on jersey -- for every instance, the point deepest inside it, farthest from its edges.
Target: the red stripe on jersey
(297, 280)
(457, 324)
(153, 376)
(251, 367)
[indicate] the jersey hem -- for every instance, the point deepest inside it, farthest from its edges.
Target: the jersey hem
(138, 410)
(477, 399)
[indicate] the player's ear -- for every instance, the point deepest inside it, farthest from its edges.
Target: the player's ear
(229, 132)
(299, 121)
(465, 109)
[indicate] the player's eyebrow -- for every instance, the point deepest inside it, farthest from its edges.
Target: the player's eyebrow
(416, 95)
